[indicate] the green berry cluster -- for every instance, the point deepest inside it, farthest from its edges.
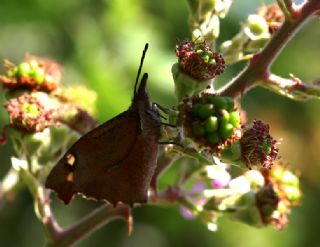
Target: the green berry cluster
(211, 119)
(207, 56)
(28, 69)
(34, 74)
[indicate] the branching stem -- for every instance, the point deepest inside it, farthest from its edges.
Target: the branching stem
(259, 67)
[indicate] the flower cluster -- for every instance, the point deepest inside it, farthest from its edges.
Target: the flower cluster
(211, 121)
(257, 198)
(262, 198)
(255, 33)
(36, 100)
(199, 61)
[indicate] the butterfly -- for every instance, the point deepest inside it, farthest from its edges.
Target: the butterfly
(115, 161)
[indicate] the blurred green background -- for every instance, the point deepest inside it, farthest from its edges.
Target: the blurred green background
(99, 43)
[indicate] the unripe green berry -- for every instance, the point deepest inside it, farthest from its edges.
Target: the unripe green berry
(205, 110)
(293, 193)
(13, 72)
(195, 110)
(211, 124)
(226, 130)
(213, 137)
(198, 129)
(39, 75)
(288, 178)
(201, 53)
(212, 61)
(218, 102)
(234, 118)
(230, 103)
(224, 117)
(206, 58)
(24, 69)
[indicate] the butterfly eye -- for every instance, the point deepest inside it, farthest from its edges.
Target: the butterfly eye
(70, 159)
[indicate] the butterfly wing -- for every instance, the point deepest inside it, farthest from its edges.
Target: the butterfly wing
(94, 154)
(114, 162)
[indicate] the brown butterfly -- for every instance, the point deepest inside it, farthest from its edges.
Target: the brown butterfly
(116, 160)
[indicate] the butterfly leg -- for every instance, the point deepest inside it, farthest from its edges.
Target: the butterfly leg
(171, 142)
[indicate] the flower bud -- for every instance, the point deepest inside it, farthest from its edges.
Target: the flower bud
(199, 61)
(257, 145)
(28, 113)
(276, 198)
(34, 74)
(273, 15)
(219, 175)
(256, 27)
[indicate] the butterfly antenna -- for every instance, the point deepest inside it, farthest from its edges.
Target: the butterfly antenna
(140, 67)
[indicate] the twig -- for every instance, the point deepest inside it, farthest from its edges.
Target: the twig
(288, 8)
(292, 88)
(291, 7)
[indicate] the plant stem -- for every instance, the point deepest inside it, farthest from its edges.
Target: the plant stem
(166, 158)
(44, 214)
(259, 67)
(58, 237)
(91, 222)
